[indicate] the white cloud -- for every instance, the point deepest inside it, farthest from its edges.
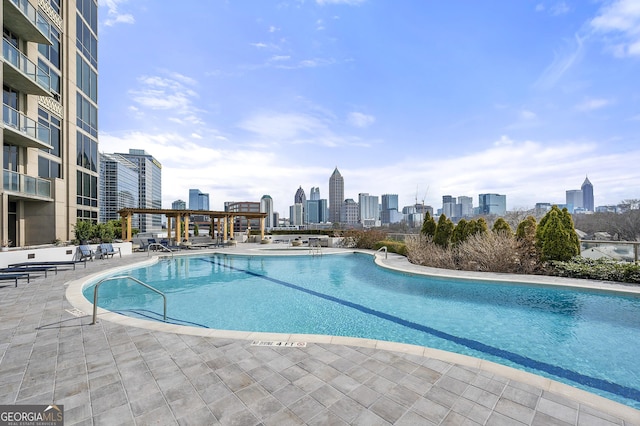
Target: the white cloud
(527, 115)
(114, 16)
(539, 7)
(562, 62)
(593, 104)
(348, 2)
(620, 20)
(358, 119)
(559, 8)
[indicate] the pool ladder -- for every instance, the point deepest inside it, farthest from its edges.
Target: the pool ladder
(95, 294)
(315, 249)
(381, 249)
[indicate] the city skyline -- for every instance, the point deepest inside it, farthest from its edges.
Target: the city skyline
(406, 98)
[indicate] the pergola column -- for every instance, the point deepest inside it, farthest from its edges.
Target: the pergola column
(177, 228)
(261, 228)
(231, 225)
(186, 227)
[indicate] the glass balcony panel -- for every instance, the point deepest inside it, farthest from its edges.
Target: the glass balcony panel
(26, 22)
(28, 69)
(26, 185)
(30, 132)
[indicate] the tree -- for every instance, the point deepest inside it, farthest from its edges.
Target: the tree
(83, 230)
(444, 230)
(501, 226)
(428, 226)
(556, 239)
(477, 226)
(459, 232)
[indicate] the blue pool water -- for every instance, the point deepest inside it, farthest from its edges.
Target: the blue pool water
(587, 339)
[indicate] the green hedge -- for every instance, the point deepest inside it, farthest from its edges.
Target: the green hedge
(598, 269)
(393, 246)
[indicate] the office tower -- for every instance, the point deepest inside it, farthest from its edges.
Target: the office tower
(198, 200)
(574, 199)
(587, 195)
(296, 214)
(49, 119)
(118, 187)
(179, 205)
(369, 211)
(315, 193)
(315, 211)
(336, 196)
(300, 197)
(494, 204)
(448, 206)
(149, 188)
(464, 207)
(349, 212)
(389, 213)
(266, 206)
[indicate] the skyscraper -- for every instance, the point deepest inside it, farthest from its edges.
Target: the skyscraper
(300, 197)
(495, 204)
(315, 193)
(49, 125)
(336, 196)
(574, 199)
(389, 212)
(369, 209)
(179, 205)
(149, 187)
(198, 200)
(266, 206)
(587, 195)
(118, 187)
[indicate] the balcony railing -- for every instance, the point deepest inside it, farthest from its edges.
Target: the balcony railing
(27, 22)
(30, 132)
(26, 185)
(26, 68)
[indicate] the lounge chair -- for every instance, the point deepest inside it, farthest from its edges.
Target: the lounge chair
(84, 252)
(106, 249)
(14, 277)
(58, 263)
(30, 269)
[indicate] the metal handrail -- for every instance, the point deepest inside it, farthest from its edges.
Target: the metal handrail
(385, 251)
(95, 294)
(162, 246)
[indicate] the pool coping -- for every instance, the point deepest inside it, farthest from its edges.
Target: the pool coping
(76, 298)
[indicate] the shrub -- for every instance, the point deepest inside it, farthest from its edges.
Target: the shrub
(444, 230)
(491, 252)
(428, 226)
(425, 252)
(364, 239)
(392, 246)
(83, 230)
(460, 232)
(556, 239)
(597, 269)
(501, 225)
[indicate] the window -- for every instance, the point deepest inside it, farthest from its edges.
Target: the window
(52, 123)
(87, 115)
(86, 42)
(87, 190)
(86, 78)
(48, 168)
(56, 5)
(52, 53)
(87, 152)
(89, 11)
(10, 157)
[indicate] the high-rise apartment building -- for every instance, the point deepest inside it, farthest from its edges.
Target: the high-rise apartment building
(349, 212)
(296, 214)
(390, 212)
(149, 188)
(118, 187)
(587, 195)
(266, 206)
(50, 119)
(198, 200)
(336, 196)
(449, 206)
(369, 209)
(494, 204)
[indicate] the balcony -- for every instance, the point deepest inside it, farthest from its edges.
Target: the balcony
(22, 74)
(24, 20)
(20, 130)
(23, 186)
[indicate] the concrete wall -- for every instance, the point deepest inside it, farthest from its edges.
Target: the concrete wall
(46, 254)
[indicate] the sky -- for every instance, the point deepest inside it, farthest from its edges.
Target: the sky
(419, 98)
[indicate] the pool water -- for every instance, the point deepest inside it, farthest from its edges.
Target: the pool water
(584, 338)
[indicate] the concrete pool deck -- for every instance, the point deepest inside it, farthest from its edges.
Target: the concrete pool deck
(127, 371)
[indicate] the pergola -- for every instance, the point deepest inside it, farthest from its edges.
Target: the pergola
(222, 221)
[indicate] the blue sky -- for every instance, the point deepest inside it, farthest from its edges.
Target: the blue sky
(417, 98)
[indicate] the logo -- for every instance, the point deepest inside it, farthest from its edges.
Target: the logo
(31, 415)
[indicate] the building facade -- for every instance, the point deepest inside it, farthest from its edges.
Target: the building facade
(587, 195)
(336, 196)
(349, 212)
(296, 214)
(369, 210)
(50, 119)
(314, 194)
(198, 200)
(266, 206)
(574, 199)
(492, 204)
(149, 188)
(240, 224)
(179, 205)
(389, 212)
(118, 187)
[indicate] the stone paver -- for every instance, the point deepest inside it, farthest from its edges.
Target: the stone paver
(111, 373)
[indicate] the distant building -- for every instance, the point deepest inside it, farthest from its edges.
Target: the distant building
(240, 224)
(389, 212)
(296, 214)
(448, 206)
(300, 197)
(314, 194)
(587, 195)
(179, 205)
(149, 188)
(574, 200)
(349, 212)
(336, 196)
(118, 187)
(198, 200)
(464, 207)
(316, 211)
(492, 204)
(369, 210)
(266, 206)
(542, 208)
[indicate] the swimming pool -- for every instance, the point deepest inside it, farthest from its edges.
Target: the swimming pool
(588, 339)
